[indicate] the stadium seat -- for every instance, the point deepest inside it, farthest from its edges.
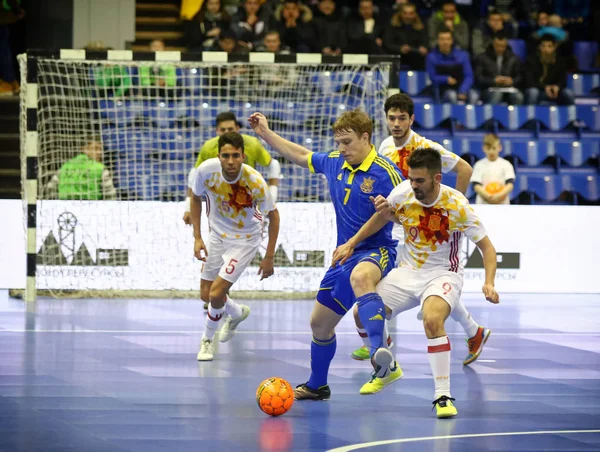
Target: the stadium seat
(585, 52)
(585, 185)
(519, 47)
(429, 115)
(543, 185)
(472, 116)
(590, 115)
(513, 117)
(577, 153)
(583, 84)
(555, 117)
(414, 82)
(118, 112)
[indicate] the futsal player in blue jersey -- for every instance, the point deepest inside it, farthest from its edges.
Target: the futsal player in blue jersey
(355, 173)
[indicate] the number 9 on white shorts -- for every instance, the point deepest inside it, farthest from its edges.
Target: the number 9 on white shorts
(228, 258)
(406, 288)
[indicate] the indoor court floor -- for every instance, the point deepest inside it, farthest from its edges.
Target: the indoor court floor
(121, 375)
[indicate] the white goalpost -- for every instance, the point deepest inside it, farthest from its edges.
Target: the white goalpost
(107, 140)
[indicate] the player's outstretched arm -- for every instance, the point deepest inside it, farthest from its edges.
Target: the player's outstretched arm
(489, 263)
(291, 151)
(463, 175)
(267, 265)
(200, 250)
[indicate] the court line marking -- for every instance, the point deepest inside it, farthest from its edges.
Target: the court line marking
(359, 446)
(341, 333)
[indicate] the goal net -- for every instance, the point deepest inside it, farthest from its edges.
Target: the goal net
(109, 138)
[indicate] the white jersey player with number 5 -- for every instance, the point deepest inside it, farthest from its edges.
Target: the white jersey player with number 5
(237, 197)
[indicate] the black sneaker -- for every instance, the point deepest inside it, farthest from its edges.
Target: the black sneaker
(303, 392)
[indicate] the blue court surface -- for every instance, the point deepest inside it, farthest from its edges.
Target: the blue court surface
(121, 375)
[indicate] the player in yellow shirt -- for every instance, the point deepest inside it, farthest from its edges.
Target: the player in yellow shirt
(254, 152)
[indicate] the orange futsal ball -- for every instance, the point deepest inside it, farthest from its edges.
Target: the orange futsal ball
(275, 396)
(493, 187)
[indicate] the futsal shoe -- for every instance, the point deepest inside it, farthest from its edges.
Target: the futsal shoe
(206, 350)
(230, 325)
(362, 354)
(476, 343)
(377, 384)
(303, 392)
(444, 407)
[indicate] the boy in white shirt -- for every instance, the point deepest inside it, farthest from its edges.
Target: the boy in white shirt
(493, 177)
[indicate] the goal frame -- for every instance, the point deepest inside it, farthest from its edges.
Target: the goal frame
(29, 101)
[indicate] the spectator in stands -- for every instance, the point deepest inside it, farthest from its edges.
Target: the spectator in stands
(294, 23)
(330, 28)
(365, 31)
(228, 43)
(493, 177)
(251, 23)
(203, 30)
(84, 177)
(158, 81)
(112, 80)
(546, 75)
(450, 71)
(576, 16)
(447, 18)
(498, 73)
(10, 13)
(406, 35)
(553, 28)
(272, 43)
(483, 35)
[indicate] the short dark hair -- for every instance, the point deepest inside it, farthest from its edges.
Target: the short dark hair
(232, 138)
(400, 102)
(444, 30)
(226, 116)
(427, 158)
(548, 38)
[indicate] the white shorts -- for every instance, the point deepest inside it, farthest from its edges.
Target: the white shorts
(227, 258)
(405, 288)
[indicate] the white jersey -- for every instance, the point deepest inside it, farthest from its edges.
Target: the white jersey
(434, 233)
(493, 176)
(235, 209)
(400, 155)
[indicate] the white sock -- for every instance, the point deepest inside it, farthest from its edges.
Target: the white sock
(363, 335)
(386, 334)
(438, 352)
(233, 309)
(212, 322)
(462, 316)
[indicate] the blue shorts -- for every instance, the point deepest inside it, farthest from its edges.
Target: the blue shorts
(336, 292)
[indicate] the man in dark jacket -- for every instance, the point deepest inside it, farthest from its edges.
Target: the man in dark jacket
(546, 76)
(497, 73)
(406, 35)
(365, 32)
(330, 28)
(450, 71)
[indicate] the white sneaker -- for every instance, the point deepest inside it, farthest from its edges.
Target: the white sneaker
(230, 325)
(206, 350)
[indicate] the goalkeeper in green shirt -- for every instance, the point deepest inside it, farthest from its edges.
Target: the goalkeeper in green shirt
(255, 154)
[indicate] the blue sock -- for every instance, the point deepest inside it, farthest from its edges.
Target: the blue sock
(321, 354)
(371, 311)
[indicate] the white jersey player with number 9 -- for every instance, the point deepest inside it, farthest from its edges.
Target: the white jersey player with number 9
(237, 197)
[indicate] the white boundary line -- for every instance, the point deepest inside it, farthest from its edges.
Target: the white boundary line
(473, 435)
(341, 333)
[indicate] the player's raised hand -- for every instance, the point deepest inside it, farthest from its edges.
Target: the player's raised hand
(383, 207)
(490, 293)
(200, 250)
(341, 254)
(259, 123)
(266, 268)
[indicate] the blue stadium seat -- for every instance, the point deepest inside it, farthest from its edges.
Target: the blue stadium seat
(583, 84)
(139, 178)
(513, 117)
(472, 116)
(430, 116)
(298, 184)
(585, 52)
(554, 117)
(414, 82)
(465, 146)
(585, 185)
(118, 112)
(590, 115)
(163, 114)
(577, 153)
(519, 48)
(542, 184)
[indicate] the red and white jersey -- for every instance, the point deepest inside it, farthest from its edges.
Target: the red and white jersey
(400, 155)
(433, 233)
(235, 208)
